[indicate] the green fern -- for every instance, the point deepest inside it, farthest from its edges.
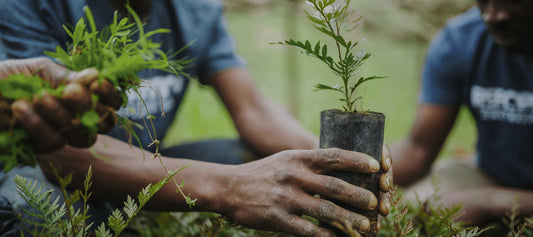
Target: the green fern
(46, 214)
(50, 219)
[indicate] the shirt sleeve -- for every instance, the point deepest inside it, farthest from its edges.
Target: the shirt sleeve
(27, 29)
(221, 53)
(443, 71)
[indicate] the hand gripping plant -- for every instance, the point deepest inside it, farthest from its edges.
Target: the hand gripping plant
(118, 58)
(360, 131)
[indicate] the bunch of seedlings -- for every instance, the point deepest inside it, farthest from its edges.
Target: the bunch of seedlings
(116, 56)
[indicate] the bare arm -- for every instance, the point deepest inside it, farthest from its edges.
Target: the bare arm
(271, 193)
(413, 157)
(263, 124)
(495, 203)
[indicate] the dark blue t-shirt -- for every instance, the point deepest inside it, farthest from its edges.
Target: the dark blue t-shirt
(465, 66)
(30, 27)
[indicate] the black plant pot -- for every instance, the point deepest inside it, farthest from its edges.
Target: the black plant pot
(361, 132)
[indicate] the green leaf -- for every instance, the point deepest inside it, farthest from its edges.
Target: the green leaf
(315, 20)
(116, 221)
(326, 87)
(102, 231)
(130, 207)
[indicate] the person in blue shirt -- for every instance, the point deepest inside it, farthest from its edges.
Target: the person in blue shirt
(482, 59)
(270, 193)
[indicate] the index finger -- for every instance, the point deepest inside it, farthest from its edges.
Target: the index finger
(84, 77)
(324, 160)
(57, 74)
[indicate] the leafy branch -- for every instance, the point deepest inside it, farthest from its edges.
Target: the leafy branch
(335, 20)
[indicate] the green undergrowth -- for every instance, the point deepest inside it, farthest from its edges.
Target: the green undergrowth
(404, 220)
(50, 216)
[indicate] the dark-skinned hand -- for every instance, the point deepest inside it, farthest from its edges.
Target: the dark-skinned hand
(273, 193)
(52, 122)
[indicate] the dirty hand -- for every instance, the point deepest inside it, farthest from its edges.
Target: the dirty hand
(274, 193)
(56, 118)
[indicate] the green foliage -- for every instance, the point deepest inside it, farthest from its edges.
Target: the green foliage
(23, 87)
(425, 218)
(192, 224)
(335, 19)
(114, 53)
(15, 145)
(517, 225)
(14, 149)
(50, 219)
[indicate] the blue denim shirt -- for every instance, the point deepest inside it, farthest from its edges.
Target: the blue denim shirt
(30, 27)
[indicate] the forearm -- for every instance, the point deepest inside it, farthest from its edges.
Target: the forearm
(127, 170)
(487, 204)
(413, 157)
(502, 199)
(269, 128)
(410, 163)
(264, 125)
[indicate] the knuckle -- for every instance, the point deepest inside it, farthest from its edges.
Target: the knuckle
(329, 157)
(335, 187)
(283, 176)
(44, 62)
(308, 229)
(324, 209)
(331, 153)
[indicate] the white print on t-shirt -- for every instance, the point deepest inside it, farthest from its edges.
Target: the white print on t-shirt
(494, 103)
(157, 92)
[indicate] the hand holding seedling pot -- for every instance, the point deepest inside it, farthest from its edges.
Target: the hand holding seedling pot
(360, 131)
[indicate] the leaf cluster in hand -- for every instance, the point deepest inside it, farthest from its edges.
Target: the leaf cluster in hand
(114, 52)
(14, 147)
(336, 20)
(117, 56)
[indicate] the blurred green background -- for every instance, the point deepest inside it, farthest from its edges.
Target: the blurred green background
(395, 32)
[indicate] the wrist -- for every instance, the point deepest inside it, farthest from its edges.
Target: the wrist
(209, 184)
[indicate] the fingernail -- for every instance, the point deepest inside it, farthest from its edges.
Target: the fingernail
(373, 165)
(373, 202)
(388, 162)
(365, 225)
(385, 184)
(20, 106)
(384, 207)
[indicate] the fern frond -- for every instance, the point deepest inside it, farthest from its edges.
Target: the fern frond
(45, 214)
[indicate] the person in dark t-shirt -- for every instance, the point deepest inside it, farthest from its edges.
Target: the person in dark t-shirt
(482, 59)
